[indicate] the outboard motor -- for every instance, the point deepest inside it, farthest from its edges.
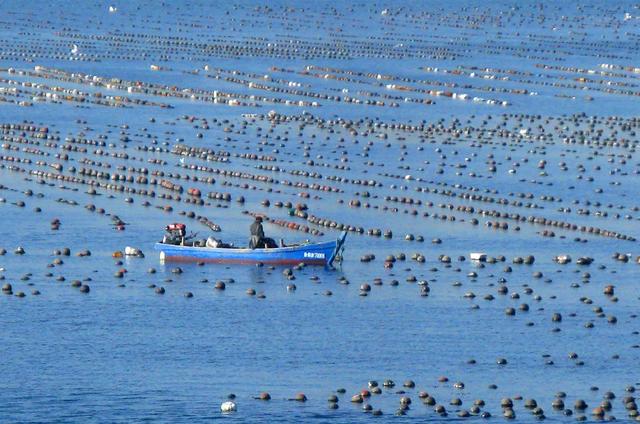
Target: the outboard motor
(175, 234)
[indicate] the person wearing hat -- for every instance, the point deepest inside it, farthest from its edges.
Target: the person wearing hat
(257, 233)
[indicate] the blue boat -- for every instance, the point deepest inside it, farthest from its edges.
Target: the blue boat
(312, 253)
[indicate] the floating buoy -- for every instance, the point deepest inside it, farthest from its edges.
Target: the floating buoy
(228, 407)
(132, 251)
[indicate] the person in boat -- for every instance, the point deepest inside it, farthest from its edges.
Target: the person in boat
(257, 233)
(258, 240)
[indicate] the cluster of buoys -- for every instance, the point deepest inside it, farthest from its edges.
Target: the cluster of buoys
(471, 193)
(55, 94)
(287, 224)
(547, 80)
(409, 397)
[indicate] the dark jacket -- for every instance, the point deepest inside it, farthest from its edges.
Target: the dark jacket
(257, 235)
(256, 229)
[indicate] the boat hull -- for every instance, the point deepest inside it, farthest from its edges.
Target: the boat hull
(311, 254)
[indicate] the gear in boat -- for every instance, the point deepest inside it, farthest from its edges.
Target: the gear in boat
(176, 234)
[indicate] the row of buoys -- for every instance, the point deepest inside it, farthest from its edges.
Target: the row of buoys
(594, 230)
(507, 405)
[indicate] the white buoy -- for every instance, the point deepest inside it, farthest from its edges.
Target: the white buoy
(132, 251)
(228, 406)
(478, 256)
(113, 9)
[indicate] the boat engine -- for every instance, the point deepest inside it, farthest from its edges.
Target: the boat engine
(175, 234)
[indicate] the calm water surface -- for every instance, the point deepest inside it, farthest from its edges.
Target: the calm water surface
(125, 354)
